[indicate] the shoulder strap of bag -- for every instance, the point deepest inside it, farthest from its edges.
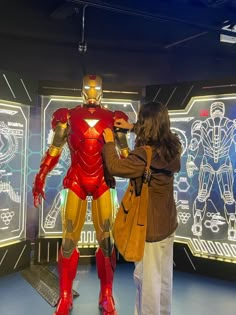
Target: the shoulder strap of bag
(143, 205)
(147, 172)
(148, 150)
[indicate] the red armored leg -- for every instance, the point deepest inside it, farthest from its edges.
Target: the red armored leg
(67, 268)
(105, 269)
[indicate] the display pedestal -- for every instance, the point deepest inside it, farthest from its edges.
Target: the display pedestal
(15, 257)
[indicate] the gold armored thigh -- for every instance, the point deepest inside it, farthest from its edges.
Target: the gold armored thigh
(103, 214)
(73, 217)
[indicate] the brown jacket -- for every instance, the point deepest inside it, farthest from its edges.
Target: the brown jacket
(162, 215)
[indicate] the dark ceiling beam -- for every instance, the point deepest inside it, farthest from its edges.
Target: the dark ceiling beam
(214, 3)
(186, 39)
(200, 14)
(63, 11)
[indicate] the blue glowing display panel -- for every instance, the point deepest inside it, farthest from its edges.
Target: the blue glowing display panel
(205, 186)
(50, 217)
(13, 163)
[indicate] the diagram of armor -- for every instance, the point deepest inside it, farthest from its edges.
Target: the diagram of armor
(204, 189)
(216, 134)
(8, 143)
(13, 146)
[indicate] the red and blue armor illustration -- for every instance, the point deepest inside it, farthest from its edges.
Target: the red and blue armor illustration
(82, 129)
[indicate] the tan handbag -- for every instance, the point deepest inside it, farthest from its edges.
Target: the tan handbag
(129, 229)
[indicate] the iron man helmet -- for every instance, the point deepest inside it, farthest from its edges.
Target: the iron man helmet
(217, 109)
(92, 89)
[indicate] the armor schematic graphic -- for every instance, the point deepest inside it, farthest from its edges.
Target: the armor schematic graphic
(216, 135)
(82, 129)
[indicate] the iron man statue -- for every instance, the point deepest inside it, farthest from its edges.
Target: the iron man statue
(82, 129)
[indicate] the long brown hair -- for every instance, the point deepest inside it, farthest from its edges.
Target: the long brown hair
(153, 128)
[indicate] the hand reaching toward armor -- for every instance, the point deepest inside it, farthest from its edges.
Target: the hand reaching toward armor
(121, 123)
(108, 135)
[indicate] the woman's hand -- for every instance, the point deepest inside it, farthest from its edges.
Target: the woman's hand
(121, 123)
(108, 135)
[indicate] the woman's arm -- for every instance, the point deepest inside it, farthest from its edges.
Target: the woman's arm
(130, 167)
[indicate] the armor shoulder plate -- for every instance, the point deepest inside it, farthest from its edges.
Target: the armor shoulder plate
(119, 114)
(60, 115)
(196, 125)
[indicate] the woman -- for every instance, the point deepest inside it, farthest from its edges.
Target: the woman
(153, 274)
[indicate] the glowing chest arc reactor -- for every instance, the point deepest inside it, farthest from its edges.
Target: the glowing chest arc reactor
(92, 122)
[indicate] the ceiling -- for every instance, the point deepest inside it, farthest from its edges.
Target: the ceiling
(135, 41)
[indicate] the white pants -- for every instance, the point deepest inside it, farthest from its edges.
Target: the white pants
(153, 277)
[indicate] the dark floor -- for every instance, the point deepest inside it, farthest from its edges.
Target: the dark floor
(192, 295)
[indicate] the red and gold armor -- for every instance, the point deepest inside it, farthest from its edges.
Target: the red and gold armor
(82, 129)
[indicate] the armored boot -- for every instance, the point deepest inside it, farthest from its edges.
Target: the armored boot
(105, 268)
(67, 268)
